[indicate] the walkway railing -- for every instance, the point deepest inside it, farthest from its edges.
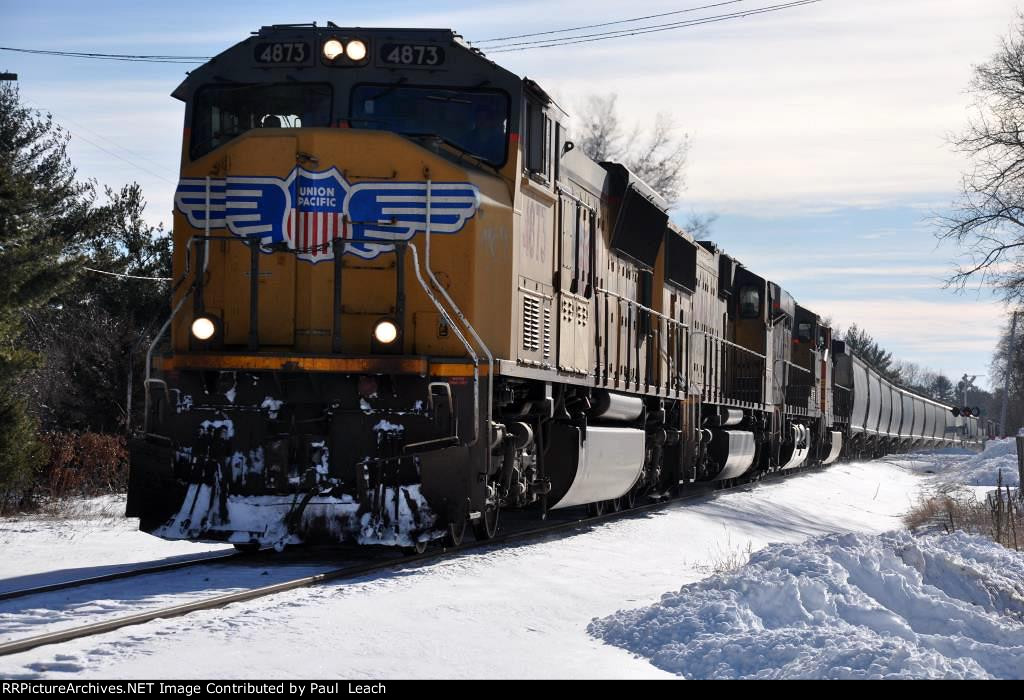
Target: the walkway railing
(731, 372)
(800, 389)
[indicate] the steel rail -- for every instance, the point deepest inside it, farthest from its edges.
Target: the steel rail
(115, 575)
(70, 634)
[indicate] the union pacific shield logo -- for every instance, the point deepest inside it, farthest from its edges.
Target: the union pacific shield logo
(308, 211)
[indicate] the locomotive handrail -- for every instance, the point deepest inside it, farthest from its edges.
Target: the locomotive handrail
(715, 367)
(670, 323)
(566, 193)
(729, 343)
(637, 304)
(149, 357)
(462, 317)
(459, 335)
(801, 388)
(793, 364)
(197, 286)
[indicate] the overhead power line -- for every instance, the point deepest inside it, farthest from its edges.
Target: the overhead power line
(126, 276)
(497, 46)
(134, 58)
(607, 24)
(122, 158)
(649, 29)
(76, 134)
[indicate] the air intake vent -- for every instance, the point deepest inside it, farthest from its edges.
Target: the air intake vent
(531, 325)
(547, 332)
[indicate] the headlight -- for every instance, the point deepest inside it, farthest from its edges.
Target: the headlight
(356, 50)
(385, 331)
(203, 328)
(333, 49)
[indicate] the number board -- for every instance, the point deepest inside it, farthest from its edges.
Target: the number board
(411, 55)
(283, 52)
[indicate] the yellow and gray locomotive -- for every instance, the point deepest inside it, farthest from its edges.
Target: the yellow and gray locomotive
(404, 301)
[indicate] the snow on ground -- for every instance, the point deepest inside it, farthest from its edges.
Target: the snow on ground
(510, 612)
(90, 538)
(842, 606)
(956, 466)
(851, 605)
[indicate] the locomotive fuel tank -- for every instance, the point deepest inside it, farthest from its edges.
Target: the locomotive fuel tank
(598, 463)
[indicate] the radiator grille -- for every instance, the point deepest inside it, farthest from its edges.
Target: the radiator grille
(547, 332)
(531, 325)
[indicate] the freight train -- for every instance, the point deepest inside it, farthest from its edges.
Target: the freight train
(404, 301)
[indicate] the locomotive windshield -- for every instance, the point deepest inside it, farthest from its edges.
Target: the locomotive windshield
(473, 121)
(223, 112)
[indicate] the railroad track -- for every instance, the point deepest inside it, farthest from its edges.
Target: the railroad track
(554, 525)
(116, 575)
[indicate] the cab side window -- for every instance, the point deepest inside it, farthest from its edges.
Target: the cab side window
(584, 251)
(538, 141)
(750, 302)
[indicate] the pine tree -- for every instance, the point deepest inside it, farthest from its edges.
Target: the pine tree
(943, 389)
(867, 349)
(44, 217)
(95, 332)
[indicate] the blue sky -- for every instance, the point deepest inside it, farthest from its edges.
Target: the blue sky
(820, 133)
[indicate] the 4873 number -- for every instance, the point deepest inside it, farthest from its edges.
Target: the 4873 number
(282, 52)
(411, 55)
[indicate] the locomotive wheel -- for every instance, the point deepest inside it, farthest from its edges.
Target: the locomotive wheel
(419, 547)
(595, 510)
(456, 533)
(247, 547)
(486, 526)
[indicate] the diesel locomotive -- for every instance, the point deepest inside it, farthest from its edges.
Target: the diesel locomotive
(404, 302)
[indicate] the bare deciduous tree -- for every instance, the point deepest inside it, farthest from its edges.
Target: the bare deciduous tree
(657, 156)
(600, 132)
(699, 225)
(988, 219)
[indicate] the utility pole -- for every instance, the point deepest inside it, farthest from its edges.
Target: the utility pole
(1009, 367)
(965, 384)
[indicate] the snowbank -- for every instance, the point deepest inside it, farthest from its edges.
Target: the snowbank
(983, 469)
(842, 606)
(974, 469)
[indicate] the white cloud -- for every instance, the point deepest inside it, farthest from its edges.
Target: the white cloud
(842, 102)
(953, 336)
(810, 109)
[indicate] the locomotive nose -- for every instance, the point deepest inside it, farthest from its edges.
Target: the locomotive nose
(312, 230)
(315, 369)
